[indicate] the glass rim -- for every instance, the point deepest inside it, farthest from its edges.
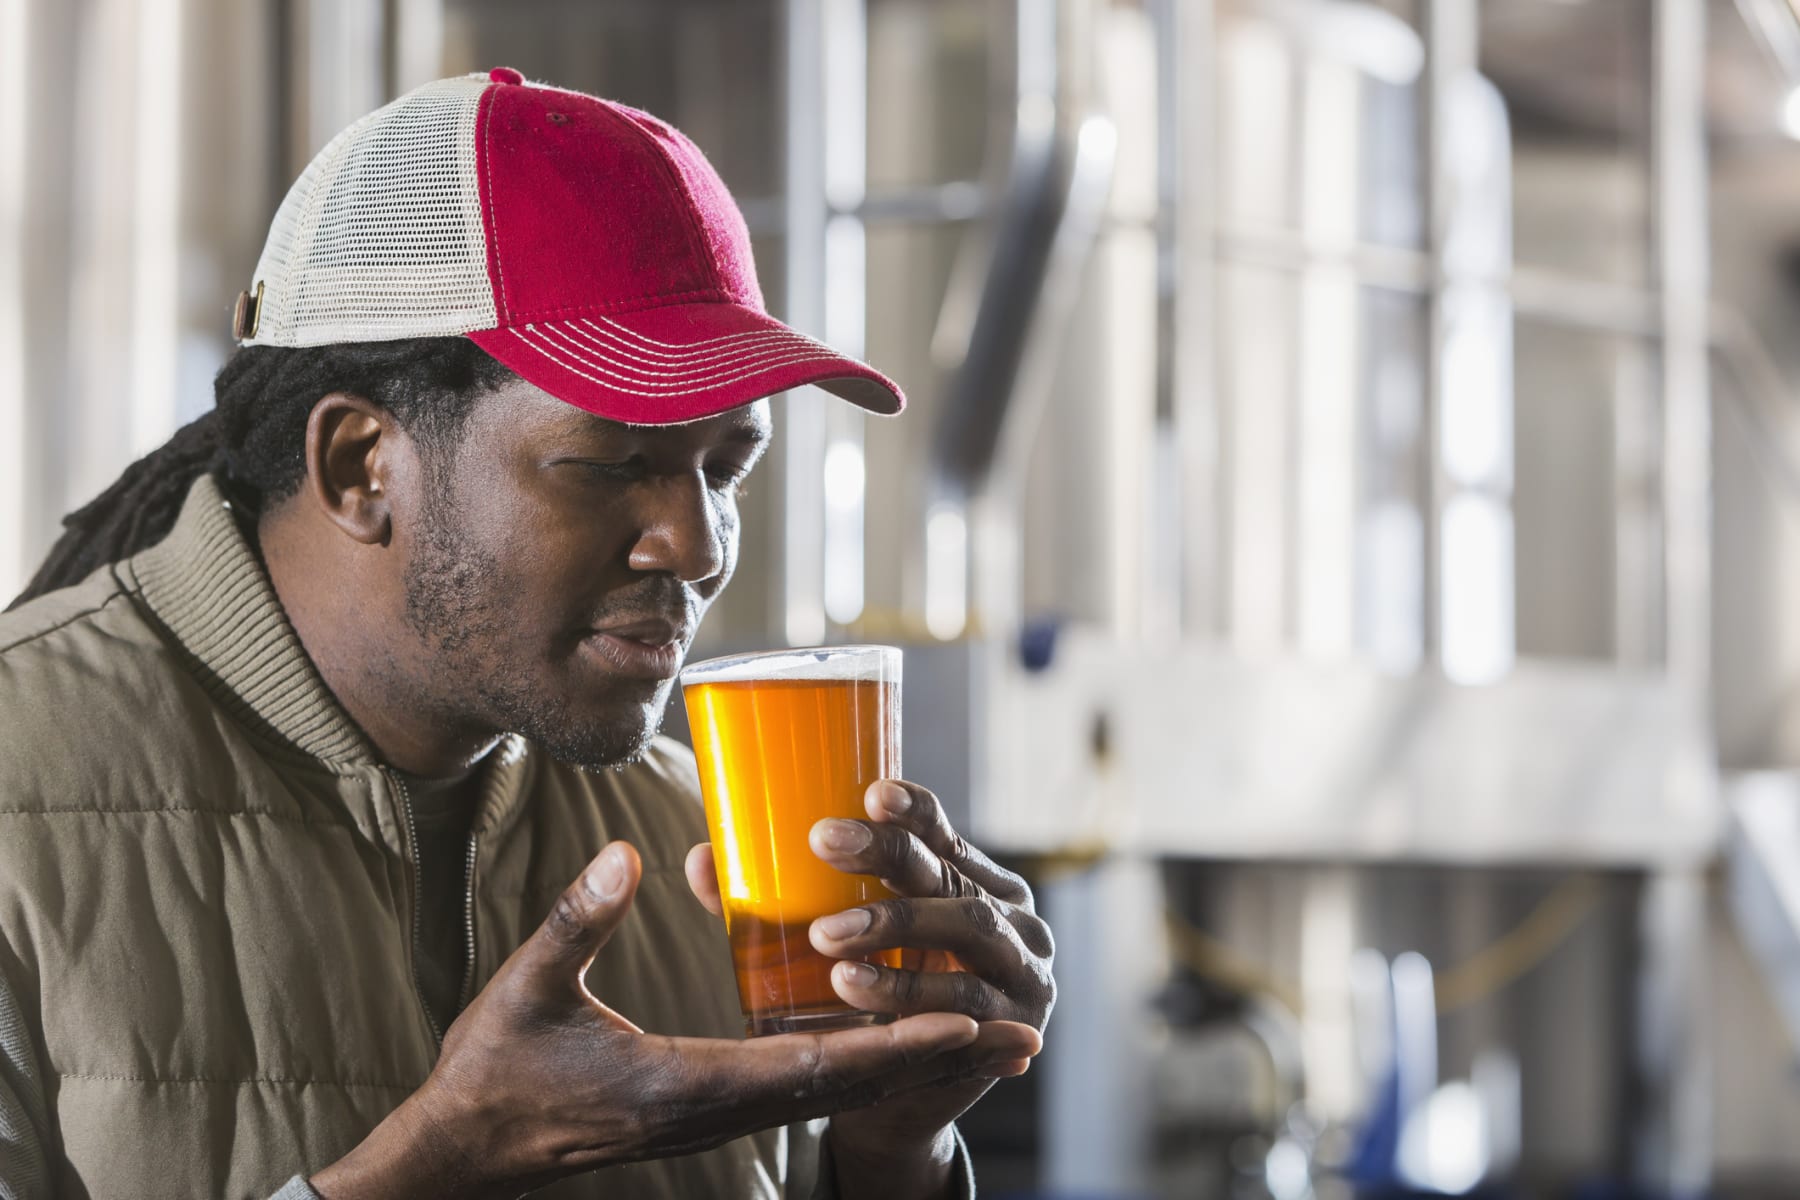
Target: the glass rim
(725, 663)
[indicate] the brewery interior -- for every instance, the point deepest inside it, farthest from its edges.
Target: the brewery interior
(1342, 532)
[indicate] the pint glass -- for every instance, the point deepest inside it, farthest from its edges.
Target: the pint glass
(785, 739)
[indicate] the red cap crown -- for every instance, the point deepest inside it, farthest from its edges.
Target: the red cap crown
(588, 246)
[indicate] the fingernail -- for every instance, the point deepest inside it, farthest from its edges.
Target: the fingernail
(846, 837)
(896, 799)
(847, 924)
(604, 877)
(858, 974)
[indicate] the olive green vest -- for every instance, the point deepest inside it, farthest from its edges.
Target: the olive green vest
(206, 892)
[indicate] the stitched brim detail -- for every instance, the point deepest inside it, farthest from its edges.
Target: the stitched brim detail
(680, 363)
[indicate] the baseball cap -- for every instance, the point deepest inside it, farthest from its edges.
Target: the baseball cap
(588, 246)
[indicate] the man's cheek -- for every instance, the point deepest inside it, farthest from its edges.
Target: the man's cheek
(729, 535)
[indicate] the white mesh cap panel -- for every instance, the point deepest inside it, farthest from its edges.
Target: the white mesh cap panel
(381, 236)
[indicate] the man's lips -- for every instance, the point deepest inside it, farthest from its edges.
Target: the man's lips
(647, 649)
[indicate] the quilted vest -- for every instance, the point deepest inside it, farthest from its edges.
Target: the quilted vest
(207, 890)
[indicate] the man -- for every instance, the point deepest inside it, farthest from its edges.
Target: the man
(312, 718)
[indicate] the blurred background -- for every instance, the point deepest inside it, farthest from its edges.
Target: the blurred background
(1344, 530)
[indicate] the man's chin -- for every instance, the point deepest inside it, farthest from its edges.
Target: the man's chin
(605, 742)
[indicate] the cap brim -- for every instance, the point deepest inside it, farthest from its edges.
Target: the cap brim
(680, 362)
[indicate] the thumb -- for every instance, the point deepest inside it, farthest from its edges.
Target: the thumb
(582, 920)
(703, 879)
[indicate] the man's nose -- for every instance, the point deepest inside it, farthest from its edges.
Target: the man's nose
(680, 531)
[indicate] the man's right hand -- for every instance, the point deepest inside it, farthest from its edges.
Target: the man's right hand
(538, 1079)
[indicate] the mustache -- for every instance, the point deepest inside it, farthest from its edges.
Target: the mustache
(658, 598)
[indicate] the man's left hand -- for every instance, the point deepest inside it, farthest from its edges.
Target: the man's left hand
(975, 946)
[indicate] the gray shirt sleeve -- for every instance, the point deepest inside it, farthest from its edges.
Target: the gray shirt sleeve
(962, 1173)
(962, 1178)
(24, 1121)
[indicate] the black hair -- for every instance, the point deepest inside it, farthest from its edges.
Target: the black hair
(254, 438)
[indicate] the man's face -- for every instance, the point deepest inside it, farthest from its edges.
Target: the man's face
(558, 565)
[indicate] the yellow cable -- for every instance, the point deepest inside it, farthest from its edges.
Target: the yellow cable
(1211, 959)
(1476, 978)
(1065, 862)
(1520, 951)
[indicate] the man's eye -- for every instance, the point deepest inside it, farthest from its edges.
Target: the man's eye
(727, 479)
(626, 471)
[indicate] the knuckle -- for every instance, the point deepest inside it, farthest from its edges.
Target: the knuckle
(927, 810)
(1034, 931)
(949, 879)
(820, 1073)
(985, 919)
(567, 922)
(1049, 999)
(907, 988)
(911, 1054)
(1031, 998)
(811, 1070)
(892, 916)
(890, 844)
(972, 995)
(957, 885)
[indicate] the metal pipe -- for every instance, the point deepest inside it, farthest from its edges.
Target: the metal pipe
(800, 582)
(1059, 175)
(1082, 203)
(1451, 29)
(1169, 20)
(998, 478)
(1535, 292)
(1761, 396)
(1776, 27)
(844, 42)
(1683, 286)
(1195, 389)
(929, 204)
(981, 391)
(346, 68)
(416, 49)
(14, 61)
(1673, 1146)
(1165, 573)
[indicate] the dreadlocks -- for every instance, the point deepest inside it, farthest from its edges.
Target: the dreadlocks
(255, 437)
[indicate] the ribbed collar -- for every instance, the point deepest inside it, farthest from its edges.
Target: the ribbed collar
(207, 586)
(205, 583)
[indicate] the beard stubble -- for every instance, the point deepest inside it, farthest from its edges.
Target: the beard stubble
(460, 607)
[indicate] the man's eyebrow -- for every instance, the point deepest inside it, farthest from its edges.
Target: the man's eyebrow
(747, 435)
(732, 435)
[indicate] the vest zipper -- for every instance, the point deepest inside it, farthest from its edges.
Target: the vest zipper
(412, 841)
(468, 980)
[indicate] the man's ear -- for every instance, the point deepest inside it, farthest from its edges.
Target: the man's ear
(350, 447)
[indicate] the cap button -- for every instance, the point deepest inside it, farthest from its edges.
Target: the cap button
(506, 75)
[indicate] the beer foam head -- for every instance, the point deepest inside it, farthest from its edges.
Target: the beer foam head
(878, 663)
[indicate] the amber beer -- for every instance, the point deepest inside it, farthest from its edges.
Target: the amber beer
(785, 739)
